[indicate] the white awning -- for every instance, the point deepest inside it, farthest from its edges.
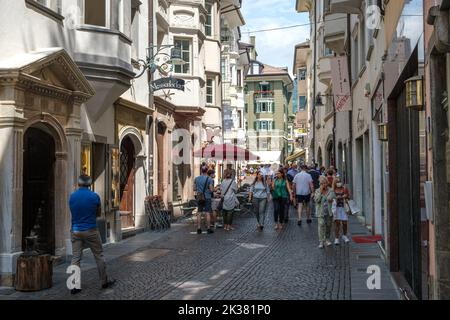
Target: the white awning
(267, 157)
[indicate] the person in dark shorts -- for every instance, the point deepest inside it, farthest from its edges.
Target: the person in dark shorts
(204, 188)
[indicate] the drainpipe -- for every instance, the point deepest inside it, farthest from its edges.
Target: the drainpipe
(314, 85)
(151, 129)
(350, 115)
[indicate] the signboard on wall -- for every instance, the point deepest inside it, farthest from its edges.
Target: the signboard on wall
(228, 122)
(341, 84)
(167, 83)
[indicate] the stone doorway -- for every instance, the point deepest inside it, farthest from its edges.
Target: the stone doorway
(39, 188)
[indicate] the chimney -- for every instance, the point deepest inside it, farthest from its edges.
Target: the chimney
(253, 54)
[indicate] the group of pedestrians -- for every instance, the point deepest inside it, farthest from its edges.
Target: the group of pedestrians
(309, 190)
(212, 200)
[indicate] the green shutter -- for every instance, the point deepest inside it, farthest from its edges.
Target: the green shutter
(254, 125)
(273, 125)
(273, 107)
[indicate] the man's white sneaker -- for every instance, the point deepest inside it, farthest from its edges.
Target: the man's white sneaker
(328, 243)
(346, 240)
(321, 245)
(336, 242)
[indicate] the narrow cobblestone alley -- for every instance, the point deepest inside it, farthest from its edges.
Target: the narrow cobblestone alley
(241, 265)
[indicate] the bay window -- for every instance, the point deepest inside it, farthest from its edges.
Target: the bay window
(209, 20)
(210, 91)
(104, 13)
(264, 107)
(264, 125)
(95, 12)
(185, 46)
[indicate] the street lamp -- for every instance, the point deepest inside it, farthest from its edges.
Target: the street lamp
(383, 132)
(160, 59)
(154, 61)
(414, 93)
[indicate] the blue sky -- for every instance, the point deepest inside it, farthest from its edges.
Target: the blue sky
(274, 47)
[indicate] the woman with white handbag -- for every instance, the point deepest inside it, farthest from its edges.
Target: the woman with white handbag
(340, 214)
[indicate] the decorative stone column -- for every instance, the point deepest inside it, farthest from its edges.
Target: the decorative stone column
(11, 146)
(73, 164)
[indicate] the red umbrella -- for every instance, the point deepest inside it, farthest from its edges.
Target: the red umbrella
(225, 152)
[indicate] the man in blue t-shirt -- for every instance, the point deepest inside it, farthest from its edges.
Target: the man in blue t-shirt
(85, 206)
(203, 184)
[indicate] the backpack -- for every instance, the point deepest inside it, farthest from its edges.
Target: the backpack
(201, 197)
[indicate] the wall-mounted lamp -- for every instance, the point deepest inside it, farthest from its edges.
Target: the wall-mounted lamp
(319, 102)
(414, 93)
(383, 132)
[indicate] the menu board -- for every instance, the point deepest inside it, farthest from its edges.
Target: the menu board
(115, 177)
(86, 153)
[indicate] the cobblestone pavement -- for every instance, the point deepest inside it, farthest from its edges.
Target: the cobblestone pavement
(243, 264)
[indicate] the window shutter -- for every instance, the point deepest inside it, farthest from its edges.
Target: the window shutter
(273, 107)
(273, 125)
(255, 125)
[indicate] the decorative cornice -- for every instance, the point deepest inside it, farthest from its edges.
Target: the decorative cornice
(74, 132)
(133, 106)
(160, 103)
(23, 78)
(15, 122)
(61, 155)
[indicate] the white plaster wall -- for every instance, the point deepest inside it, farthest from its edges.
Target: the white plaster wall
(103, 127)
(212, 55)
(25, 30)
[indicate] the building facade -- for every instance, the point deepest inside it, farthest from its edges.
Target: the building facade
(302, 102)
(64, 104)
(235, 65)
(380, 147)
(268, 96)
(437, 84)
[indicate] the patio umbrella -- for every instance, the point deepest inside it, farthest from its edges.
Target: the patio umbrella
(224, 152)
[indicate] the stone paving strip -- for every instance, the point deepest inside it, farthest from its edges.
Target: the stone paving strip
(244, 264)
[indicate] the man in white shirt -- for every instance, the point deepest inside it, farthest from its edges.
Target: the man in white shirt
(304, 187)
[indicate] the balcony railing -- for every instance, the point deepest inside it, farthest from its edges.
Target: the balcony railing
(264, 95)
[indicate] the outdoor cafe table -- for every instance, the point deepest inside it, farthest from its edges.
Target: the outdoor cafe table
(245, 207)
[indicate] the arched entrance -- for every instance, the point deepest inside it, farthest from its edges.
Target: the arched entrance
(39, 188)
(127, 177)
(330, 154)
(320, 157)
(162, 168)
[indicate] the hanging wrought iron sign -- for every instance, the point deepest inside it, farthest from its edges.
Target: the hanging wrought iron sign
(167, 83)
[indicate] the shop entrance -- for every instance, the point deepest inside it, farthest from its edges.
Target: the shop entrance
(127, 174)
(39, 188)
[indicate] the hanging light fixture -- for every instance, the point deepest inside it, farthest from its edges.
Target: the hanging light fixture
(414, 93)
(319, 102)
(176, 57)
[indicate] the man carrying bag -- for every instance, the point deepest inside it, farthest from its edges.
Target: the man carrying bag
(204, 188)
